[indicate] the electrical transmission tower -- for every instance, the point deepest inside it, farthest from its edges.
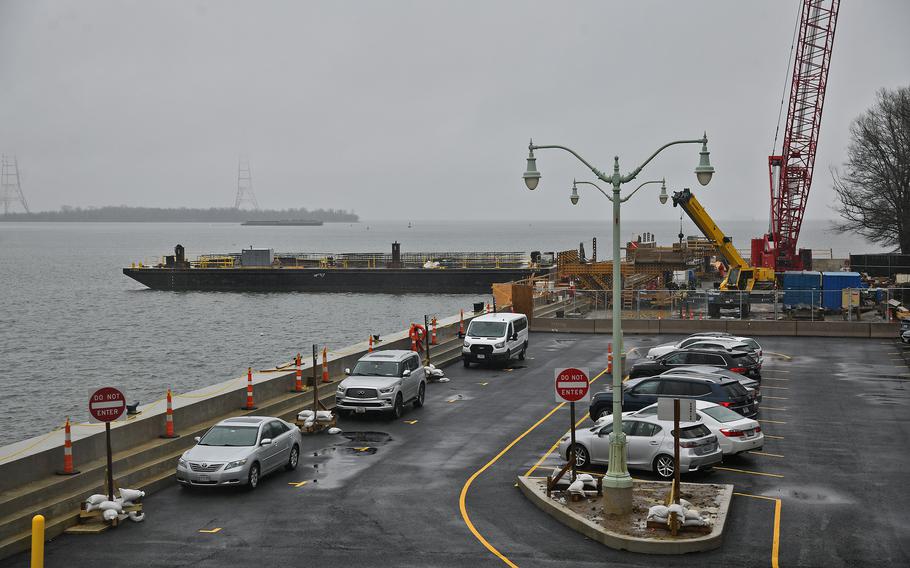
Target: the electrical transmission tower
(10, 188)
(245, 186)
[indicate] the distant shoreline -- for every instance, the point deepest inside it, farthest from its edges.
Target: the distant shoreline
(124, 214)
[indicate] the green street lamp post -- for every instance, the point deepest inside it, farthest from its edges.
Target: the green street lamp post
(618, 497)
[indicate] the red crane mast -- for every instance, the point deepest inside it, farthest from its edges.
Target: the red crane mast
(791, 172)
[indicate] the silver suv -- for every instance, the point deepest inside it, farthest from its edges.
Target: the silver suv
(383, 381)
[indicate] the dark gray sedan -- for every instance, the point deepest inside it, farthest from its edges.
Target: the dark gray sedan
(239, 451)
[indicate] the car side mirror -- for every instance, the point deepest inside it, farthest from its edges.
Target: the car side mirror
(197, 438)
(265, 442)
(406, 373)
(347, 371)
(514, 337)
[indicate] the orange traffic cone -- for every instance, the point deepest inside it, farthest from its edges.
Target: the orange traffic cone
(609, 357)
(298, 381)
(461, 325)
(169, 418)
(371, 344)
(67, 452)
(249, 390)
(325, 365)
(433, 333)
(413, 335)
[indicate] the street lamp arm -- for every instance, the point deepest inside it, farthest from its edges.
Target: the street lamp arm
(597, 172)
(629, 177)
(598, 188)
(626, 198)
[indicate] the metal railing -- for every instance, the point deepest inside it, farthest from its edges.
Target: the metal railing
(863, 304)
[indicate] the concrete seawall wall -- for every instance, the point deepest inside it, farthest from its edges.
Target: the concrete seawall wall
(741, 327)
(42, 456)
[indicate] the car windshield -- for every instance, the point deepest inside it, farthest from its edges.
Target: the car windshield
(376, 368)
(230, 436)
(722, 414)
(487, 329)
(696, 431)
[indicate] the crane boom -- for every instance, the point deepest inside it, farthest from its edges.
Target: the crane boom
(791, 172)
(741, 276)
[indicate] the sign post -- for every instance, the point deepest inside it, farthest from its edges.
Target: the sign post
(677, 410)
(572, 385)
(106, 405)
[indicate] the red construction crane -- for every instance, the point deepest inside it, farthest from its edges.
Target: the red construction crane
(791, 171)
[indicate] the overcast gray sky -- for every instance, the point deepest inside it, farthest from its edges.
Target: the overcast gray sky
(403, 110)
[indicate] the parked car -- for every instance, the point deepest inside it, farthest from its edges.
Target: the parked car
(752, 385)
(649, 444)
(495, 338)
(383, 381)
(905, 330)
(718, 341)
(639, 393)
(737, 361)
(735, 433)
(240, 451)
(905, 336)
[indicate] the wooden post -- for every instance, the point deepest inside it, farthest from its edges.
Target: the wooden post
(110, 465)
(674, 520)
(426, 325)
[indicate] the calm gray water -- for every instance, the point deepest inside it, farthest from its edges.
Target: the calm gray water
(70, 321)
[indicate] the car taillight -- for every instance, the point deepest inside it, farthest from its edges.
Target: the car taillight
(725, 404)
(738, 369)
(731, 433)
(757, 429)
(687, 444)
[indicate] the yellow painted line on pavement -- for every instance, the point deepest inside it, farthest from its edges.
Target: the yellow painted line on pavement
(749, 472)
(552, 449)
(483, 384)
(772, 421)
(776, 397)
(462, 505)
(298, 483)
(210, 531)
(775, 538)
(771, 408)
(766, 454)
(787, 357)
(412, 422)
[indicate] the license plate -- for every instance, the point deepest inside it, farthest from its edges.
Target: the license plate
(203, 478)
(360, 410)
(481, 356)
(749, 433)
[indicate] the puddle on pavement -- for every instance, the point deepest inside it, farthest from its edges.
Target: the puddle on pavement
(331, 466)
(815, 494)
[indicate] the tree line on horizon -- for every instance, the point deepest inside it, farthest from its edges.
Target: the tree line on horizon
(124, 213)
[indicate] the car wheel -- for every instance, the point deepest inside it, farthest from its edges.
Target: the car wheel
(252, 481)
(521, 356)
(663, 466)
(582, 458)
(421, 395)
(466, 363)
(398, 409)
(293, 459)
(605, 412)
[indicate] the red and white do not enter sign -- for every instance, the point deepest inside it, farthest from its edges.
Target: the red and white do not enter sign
(107, 404)
(572, 384)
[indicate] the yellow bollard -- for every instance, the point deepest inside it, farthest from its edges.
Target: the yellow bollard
(37, 541)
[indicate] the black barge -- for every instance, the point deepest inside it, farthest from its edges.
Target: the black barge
(263, 270)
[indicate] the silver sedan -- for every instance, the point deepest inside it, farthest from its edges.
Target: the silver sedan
(240, 451)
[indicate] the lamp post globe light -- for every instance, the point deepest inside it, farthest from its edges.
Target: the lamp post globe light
(618, 482)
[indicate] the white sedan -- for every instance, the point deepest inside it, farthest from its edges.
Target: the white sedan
(735, 433)
(707, 342)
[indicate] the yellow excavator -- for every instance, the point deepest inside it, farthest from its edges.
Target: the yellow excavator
(740, 275)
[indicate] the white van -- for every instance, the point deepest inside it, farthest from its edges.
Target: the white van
(495, 337)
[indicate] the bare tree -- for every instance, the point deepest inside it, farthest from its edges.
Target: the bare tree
(874, 191)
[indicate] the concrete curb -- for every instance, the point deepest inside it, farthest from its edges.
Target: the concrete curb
(530, 486)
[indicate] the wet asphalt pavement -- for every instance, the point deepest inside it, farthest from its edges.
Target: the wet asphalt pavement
(836, 414)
